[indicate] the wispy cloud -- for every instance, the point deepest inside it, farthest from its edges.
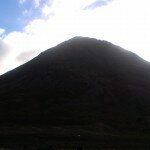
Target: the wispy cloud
(37, 3)
(22, 1)
(97, 3)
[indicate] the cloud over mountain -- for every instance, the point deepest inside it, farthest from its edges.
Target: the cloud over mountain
(26, 56)
(4, 51)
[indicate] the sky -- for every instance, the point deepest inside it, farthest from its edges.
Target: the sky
(28, 27)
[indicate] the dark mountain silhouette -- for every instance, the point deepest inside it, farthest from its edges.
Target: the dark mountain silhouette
(82, 85)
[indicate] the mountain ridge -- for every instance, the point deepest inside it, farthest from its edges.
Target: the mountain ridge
(80, 82)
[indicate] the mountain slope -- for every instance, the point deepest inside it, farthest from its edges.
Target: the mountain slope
(81, 82)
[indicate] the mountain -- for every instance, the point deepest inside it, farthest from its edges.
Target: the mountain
(81, 86)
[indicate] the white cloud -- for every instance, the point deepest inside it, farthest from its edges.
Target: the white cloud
(4, 51)
(2, 31)
(125, 23)
(25, 56)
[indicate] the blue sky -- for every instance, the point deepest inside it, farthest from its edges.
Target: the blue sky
(14, 15)
(10, 12)
(28, 27)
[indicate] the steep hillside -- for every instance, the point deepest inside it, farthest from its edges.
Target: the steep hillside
(82, 82)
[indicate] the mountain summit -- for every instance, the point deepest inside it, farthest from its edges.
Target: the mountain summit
(81, 82)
